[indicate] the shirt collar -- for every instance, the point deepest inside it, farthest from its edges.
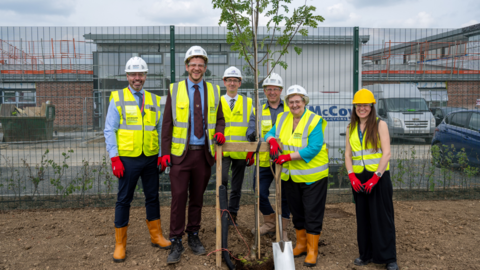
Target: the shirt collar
(268, 104)
(133, 91)
(228, 98)
(191, 84)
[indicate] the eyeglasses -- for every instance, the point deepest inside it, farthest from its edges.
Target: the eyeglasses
(232, 81)
(196, 65)
(141, 75)
(295, 102)
(363, 105)
(273, 90)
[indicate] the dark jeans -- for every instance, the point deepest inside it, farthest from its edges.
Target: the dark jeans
(307, 203)
(266, 178)
(238, 172)
(135, 167)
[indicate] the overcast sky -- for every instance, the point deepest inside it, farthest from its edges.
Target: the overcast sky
(346, 13)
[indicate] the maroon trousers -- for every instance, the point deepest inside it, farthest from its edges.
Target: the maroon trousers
(188, 180)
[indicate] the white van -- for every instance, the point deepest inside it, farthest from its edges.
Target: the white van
(404, 110)
(336, 109)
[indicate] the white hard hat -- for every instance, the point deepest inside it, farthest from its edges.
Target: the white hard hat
(232, 72)
(196, 51)
(297, 90)
(136, 64)
(274, 79)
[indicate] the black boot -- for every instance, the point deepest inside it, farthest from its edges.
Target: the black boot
(195, 244)
(176, 250)
(232, 221)
(392, 266)
(361, 262)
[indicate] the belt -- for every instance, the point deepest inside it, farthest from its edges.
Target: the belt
(196, 147)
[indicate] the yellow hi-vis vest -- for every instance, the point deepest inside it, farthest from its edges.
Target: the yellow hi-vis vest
(236, 123)
(181, 116)
(136, 133)
(296, 140)
(265, 126)
(364, 157)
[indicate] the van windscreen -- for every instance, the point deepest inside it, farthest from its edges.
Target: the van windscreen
(406, 105)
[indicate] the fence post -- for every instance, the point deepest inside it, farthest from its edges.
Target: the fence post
(172, 53)
(356, 52)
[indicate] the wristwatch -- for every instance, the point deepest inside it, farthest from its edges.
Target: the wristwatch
(379, 174)
(349, 172)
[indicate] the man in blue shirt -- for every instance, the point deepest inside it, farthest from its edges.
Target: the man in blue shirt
(131, 134)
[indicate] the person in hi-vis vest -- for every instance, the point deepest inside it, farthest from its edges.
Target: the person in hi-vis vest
(367, 155)
(237, 110)
(304, 163)
(131, 133)
(272, 87)
(193, 123)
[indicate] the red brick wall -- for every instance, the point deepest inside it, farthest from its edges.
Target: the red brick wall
(460, 93)
(463, 94)
(69, 99)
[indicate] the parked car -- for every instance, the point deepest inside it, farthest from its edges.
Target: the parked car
(460, 129)
(440, 113)
(404, 110)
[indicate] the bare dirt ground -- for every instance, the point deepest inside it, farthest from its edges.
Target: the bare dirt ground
(430, 235)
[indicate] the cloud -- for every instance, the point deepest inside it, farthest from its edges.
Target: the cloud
(34, 7)
(421, 20)
(471, 22)
(181, 13)
(373, 3)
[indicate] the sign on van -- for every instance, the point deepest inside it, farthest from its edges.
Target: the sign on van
(333, 112)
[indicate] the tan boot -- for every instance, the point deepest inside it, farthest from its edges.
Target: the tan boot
(301, 246)
(312, 250)
(285, 223)
(120, 244)
(268, 225)
(155, 228)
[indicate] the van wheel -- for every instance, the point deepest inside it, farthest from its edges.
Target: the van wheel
(428, 140)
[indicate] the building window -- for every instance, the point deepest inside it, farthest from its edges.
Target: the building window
(152, 58)
(21, 99)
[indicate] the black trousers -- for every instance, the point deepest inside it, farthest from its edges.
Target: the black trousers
(375, 220)
(135, 167)
(238, 172)
(307, 204)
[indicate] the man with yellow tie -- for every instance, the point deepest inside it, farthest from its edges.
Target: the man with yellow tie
(237, 110)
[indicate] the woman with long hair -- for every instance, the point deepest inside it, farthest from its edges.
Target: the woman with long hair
(367, 155)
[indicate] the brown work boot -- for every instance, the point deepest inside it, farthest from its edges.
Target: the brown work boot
(120, 244)
(155, 228)
(268, 225)
(312, 250)
(285, 223)
(301, 246)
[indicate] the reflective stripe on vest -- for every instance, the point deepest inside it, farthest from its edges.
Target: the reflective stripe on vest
(137, 133)
(299, 170)
(236, 123)
(364, 157)
(266, 124)
(181, 115)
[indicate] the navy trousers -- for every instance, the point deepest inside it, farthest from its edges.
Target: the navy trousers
(135, 167)
(266, 178)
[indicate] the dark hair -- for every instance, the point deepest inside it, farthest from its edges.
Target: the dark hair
(371, 136)
(196, 56)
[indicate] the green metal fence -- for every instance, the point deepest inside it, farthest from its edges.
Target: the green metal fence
(418, 75)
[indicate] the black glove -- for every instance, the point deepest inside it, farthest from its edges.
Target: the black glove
(252, 136)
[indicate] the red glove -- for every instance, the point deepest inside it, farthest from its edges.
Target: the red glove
(219, 138)
(166, 162)
(371, 183)
(356, 184)
(159, 161)
(283, 158)
(250, 158)
(117, 167)
(274, 148)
